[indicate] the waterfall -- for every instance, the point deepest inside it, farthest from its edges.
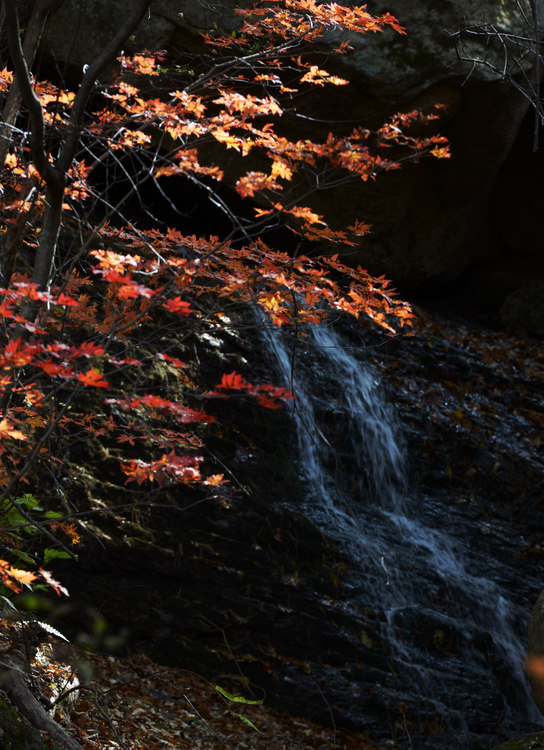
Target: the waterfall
(452, 632)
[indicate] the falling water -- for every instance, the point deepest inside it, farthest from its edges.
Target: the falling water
(427, 584)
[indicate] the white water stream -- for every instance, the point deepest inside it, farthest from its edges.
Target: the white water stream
(417, 568)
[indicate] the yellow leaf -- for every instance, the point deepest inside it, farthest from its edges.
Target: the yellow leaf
(23, 576)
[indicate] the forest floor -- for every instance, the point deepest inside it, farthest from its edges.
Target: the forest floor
(135, 704)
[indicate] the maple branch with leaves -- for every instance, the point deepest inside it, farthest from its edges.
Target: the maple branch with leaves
(79, 338)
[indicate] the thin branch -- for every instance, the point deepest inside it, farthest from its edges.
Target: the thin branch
(77, 112)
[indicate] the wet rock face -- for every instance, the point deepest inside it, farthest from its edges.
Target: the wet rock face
(78, 32)
(252, 581)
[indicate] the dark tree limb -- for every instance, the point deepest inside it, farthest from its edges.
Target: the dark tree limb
(54, 178)
(55, 174)
(516, 50)
(14, 681)
(91, 74)
(40, 12)
(52, 219)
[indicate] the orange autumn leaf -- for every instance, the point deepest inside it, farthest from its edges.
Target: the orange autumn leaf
(214, 480)
(7, 429)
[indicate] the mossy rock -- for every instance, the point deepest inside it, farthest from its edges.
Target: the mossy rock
(16, 734)
(533, 741)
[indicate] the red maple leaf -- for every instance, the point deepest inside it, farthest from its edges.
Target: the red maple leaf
(93, 378)
(179, 306)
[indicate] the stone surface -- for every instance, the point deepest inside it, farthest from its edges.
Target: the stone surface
(523, 311)
(396, 66)
(77, 32)
(533, 741)
(251, 583)
(406, 65)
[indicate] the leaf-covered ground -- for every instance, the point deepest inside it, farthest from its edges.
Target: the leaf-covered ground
(136, 704)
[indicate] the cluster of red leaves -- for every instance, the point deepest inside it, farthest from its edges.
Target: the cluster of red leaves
(267, 395)
(293, 19)
(133, 289)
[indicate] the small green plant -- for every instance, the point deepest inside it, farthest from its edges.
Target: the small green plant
(235, 698)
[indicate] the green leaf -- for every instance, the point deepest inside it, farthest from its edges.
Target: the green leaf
(54, 554)
(29, 501)
(53, 514)
(22, 556)
(246, 721)
(236, 698)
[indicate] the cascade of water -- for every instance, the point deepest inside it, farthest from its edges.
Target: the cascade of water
(420, 577)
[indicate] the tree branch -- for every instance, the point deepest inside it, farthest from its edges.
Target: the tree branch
(91, 74)
(40, 13)
(37, 125)
(538, 75)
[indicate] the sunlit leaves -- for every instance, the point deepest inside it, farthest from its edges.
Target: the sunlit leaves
(55, 585)
(310, 19)
(6, 79)
(182, 413)
(441, 152)
(7, 430)
(187, 161)
(253, 182)
(145, 65)
(189, 104)
(320, 77)
(178, 306)
(172, 467)
(12, 577)
(248, 105)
